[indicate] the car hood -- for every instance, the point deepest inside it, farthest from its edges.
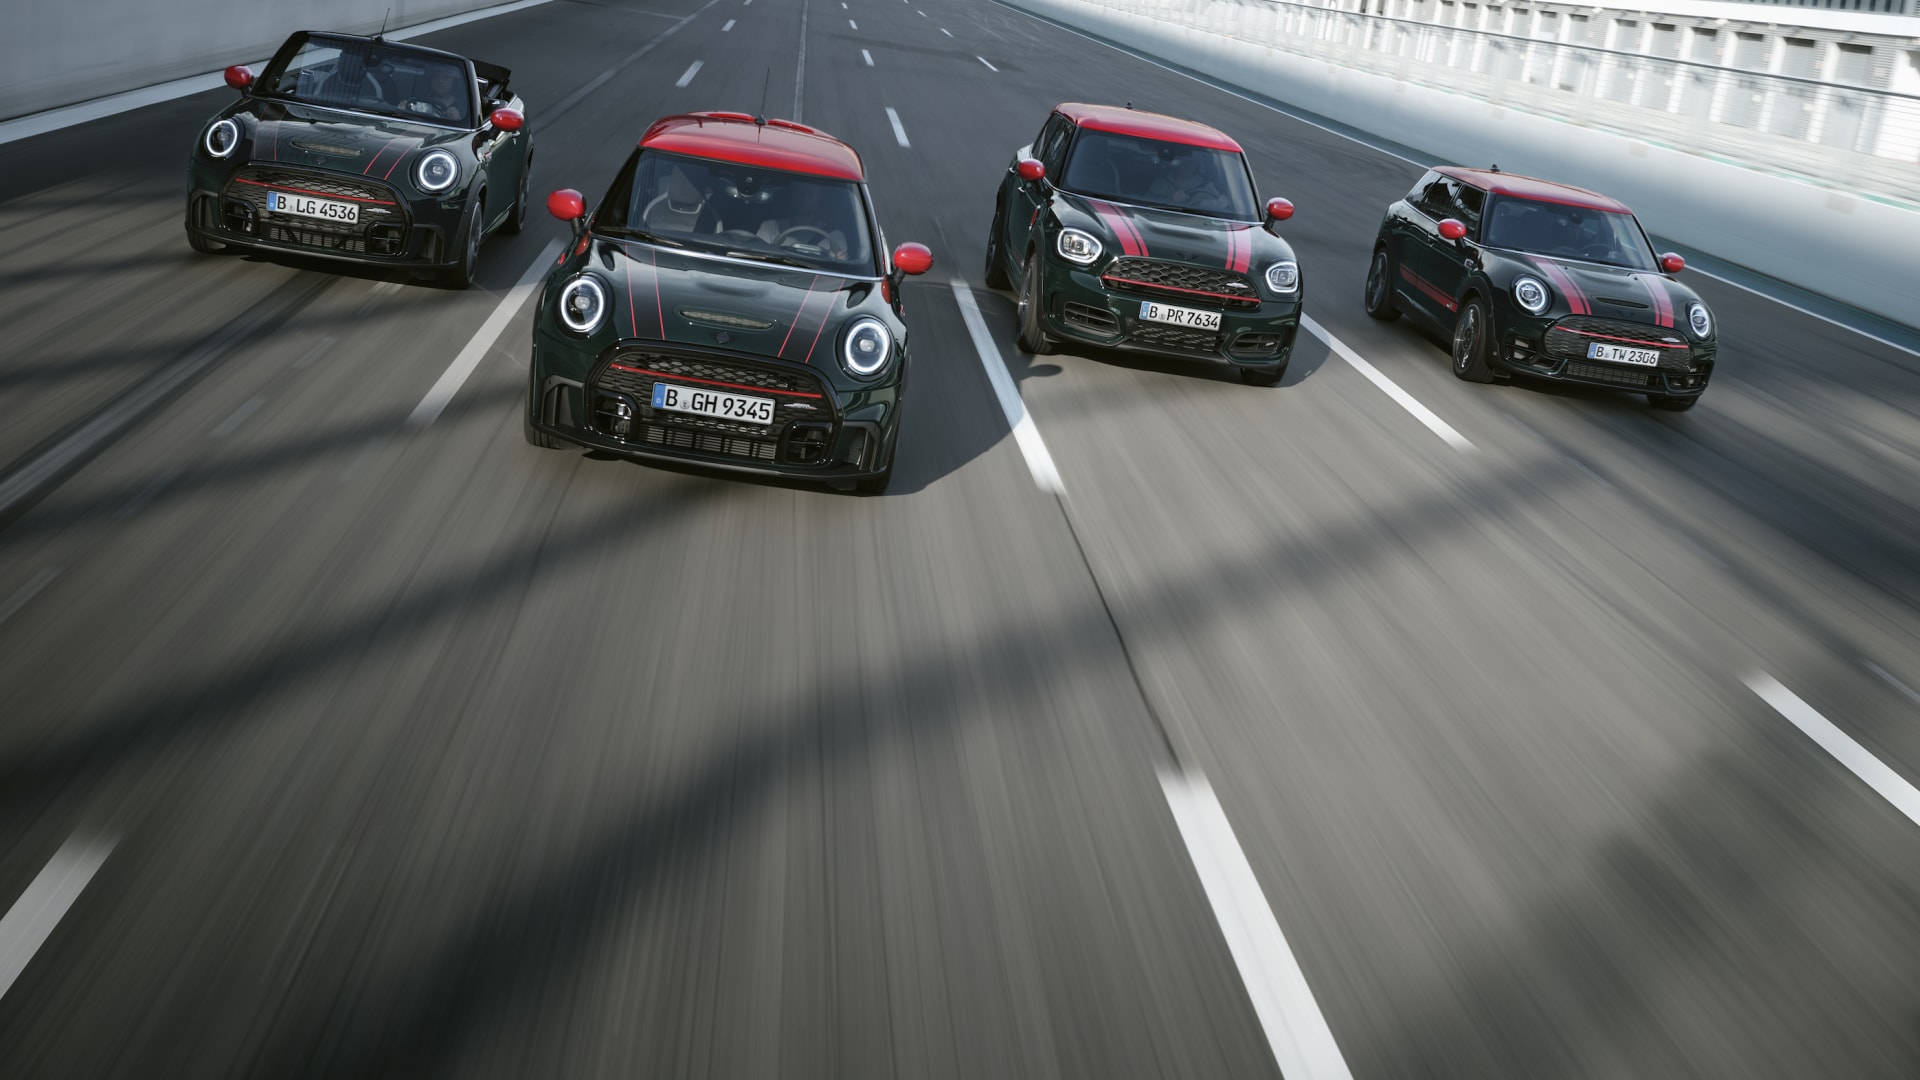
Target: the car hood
(768, 310)
(1163, 234)
(288, 133)
(1611, 292)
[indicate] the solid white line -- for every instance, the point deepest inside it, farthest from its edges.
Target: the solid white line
(983, 60)
(727, 27)
(853, 24)
(237, 417)
(68, 115)
(899, 133)
(867, 56)
(1858, 759)
(1389, 387)
(692, 70)
(1789, 305)
(1887, 677)
(456, 374)
(27, 925)
(25, 593)
(946, 31)
(1025, 434)
(1297, 1033)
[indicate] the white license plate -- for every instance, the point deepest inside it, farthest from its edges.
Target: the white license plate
(287, 202)
(1620, 354)
(715, 403)
(1179, 316)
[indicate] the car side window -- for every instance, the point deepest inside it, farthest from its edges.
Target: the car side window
(1435, 200)
(1418, 194)
(1468, 204)
(1052, 147)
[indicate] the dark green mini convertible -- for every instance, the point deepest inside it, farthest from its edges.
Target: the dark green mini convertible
(730, 303)
(366, 150)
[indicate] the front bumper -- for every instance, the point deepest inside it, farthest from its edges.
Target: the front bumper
(1556, 350)
(1079, 305)
(393, 231)
(604, 402)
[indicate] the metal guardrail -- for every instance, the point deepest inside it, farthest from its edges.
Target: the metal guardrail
(1854, 138)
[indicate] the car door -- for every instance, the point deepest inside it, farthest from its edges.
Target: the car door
(1027, 199)
(503, 156)
(1432, 268)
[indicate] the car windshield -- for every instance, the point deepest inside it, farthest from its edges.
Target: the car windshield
(1567, 232)
(747, 211)
(374, 77)
(1149, 172)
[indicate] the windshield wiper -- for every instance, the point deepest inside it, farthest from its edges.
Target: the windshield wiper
(767, 256)
(639, 234)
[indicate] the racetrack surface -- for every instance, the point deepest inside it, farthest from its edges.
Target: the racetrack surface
(352, 747)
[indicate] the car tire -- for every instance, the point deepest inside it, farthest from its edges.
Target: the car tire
(1033, 335)
(517, 221)
(874, 485)
(1379, 294)
(461, 274)
(1672, 404)
(996, 269)
(1263, 376)
(1471, 334)
(536, 437)
(203, 245)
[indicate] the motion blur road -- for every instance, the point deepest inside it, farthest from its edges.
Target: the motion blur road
(374, 748)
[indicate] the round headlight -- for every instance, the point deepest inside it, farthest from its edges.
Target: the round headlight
(1077, 247)
(221, 138)
(1284, 278)
(436, 171)
(865, 346)
(1531, 294)
(583, 304)
(1699, 321)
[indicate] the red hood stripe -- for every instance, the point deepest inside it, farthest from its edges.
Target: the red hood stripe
(1123, 230)
(796, 316)
(376, 158)
(659, 312)
(1576, 300)
(1662, 299)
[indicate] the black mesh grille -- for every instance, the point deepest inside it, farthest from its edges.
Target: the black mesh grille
(250, 186)
(682, 438)
(797, 396)
(1175, 337)
(1568, 339)
(1251, 344)
(1099, 320)
(1181, 280)
(1610, 374)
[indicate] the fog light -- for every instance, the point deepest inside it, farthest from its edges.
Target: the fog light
(613, 415)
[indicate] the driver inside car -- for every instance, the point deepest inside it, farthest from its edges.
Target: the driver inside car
(797, 218)
(444, 97)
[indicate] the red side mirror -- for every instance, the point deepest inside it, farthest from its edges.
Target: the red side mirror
(239, 77)
(1279, 209)
(912, 259)
(1452, 229)
(506, 119)
(1031, 170)
(1672, 263)
(567, 205)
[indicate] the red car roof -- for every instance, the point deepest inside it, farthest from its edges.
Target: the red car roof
(738, 138)
(1529, 187)
(1146, 125)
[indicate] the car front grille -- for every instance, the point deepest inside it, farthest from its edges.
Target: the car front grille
(1177, 281)
(1612, 375)
(381, 229)
(801, 400)
(1175, 337)
(1568, 339)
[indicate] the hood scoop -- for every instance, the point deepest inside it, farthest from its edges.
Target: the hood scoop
(1618, 302)
(725, 320)
(330, 149)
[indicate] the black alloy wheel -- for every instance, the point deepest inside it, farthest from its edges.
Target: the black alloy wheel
(1379, 298)
(1470, 338)
(1033, 336)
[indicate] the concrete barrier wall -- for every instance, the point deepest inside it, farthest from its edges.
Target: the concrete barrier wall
(59, 52)
(1855, 249)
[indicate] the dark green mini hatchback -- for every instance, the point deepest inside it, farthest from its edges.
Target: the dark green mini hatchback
(730, 304)
(1139, 232)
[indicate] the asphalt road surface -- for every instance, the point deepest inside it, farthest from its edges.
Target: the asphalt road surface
(338, 746)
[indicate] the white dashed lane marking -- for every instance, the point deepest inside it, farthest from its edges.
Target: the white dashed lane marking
(1025, 434)
(989, 64)
(687, 76)
(727, 27)
(30, 921)
(1858, 759)
(1389, 387)
(899, 133)
(450, 380)
(867, 56)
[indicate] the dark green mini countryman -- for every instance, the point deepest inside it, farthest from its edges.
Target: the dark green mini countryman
(730, 303)
(1536, 278)
(366, 150)
(1140, 232)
